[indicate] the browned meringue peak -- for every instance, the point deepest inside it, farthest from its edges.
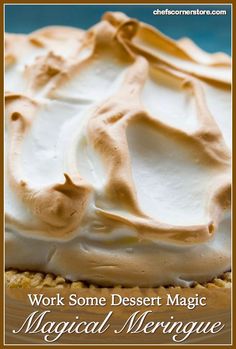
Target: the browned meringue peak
(58, 208)
(57, 35)
(43, 70)
(63, 41)
(22, 52)
(183, 55)
(213, 87)
(106, 61)
(11, 45)
(200, 56)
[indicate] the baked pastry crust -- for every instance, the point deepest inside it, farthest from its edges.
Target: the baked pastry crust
(28, 279)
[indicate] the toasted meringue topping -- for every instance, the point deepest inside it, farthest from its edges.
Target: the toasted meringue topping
(117, 155)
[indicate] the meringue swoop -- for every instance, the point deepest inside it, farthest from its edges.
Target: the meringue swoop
(118, 155)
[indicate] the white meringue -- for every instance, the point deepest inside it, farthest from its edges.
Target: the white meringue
(117, 156)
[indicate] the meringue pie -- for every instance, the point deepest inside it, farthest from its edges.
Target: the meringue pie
(118, 156)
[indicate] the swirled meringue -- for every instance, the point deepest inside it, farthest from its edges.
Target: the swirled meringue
(117, 155)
